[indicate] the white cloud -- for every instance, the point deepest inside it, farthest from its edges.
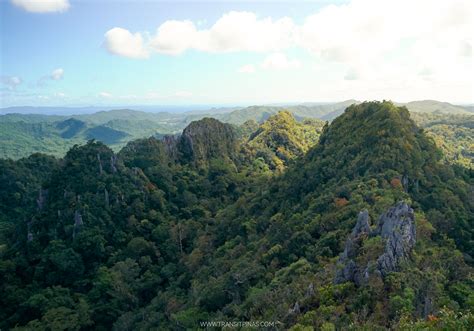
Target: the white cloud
(247, 69)
(465, 49)
(11, 81)
(244, 31)
(352, 74)
(57, 74)
(175, 37)
(42, 6)
(183, 94)
(105, 95)
(233, 32)
(122, 42)
(425, 72)
(279, 61)
(367, 30)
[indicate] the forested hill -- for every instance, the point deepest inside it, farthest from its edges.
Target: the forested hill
(24, 134)
(357, 224)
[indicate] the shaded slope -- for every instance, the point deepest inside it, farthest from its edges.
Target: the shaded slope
(207, 139)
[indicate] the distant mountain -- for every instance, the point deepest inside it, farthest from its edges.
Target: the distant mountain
(261, 113)
(124, 114)
(24, 134)
(432, 106)
(51, 110)
(469, 108)
(68, 111)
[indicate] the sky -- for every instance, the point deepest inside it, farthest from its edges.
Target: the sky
(84, 52)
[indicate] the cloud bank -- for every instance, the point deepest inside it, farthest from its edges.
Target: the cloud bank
(11, 82)
(360, 29)
(42, 6)
(57, 74)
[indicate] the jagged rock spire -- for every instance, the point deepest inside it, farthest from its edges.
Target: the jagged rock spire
(347, 269)
(113, 163)
(77, 223)
(41, 200)
(106, 198)
(396, 227)
(101, 170)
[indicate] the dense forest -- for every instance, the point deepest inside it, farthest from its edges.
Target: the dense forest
(363, 223)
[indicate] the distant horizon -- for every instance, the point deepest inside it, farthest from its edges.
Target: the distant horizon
(209, 106)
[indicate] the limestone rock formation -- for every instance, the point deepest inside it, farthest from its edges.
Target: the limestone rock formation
(397, 229)
(41, 200)
(207, 139)
(77, 223)
(347, 269)
(113, 163)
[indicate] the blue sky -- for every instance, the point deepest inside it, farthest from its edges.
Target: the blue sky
(61, 52)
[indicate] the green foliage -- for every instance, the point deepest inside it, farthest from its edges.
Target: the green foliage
(281, 139)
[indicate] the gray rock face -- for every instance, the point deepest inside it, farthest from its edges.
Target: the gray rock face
(206, 139)
(295, 309)
(347, 269)
(77, 223)
(170, 144)
(106, 198)
(101, 170)
(397, 229)
(362, 225)
(41, 200)
(29, 235)
(113, 163)
(310, 290)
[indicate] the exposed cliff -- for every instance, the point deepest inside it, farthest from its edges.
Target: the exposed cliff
(397, 230)
(207, 139)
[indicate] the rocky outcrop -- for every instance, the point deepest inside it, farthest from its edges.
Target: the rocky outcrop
(295, 309)
(77, 223)
(29, 234)
(101, 169)
(347, 270)
(41, 200)
(106, 198)
(397, 229)
(207, 139)
(170, 145)
(113, 163)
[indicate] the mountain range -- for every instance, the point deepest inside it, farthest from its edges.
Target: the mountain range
(24, 134)
(354, 224)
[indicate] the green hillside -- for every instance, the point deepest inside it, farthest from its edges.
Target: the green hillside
(281, 139)
(432, 106)
(22, 135)
(453, 134)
